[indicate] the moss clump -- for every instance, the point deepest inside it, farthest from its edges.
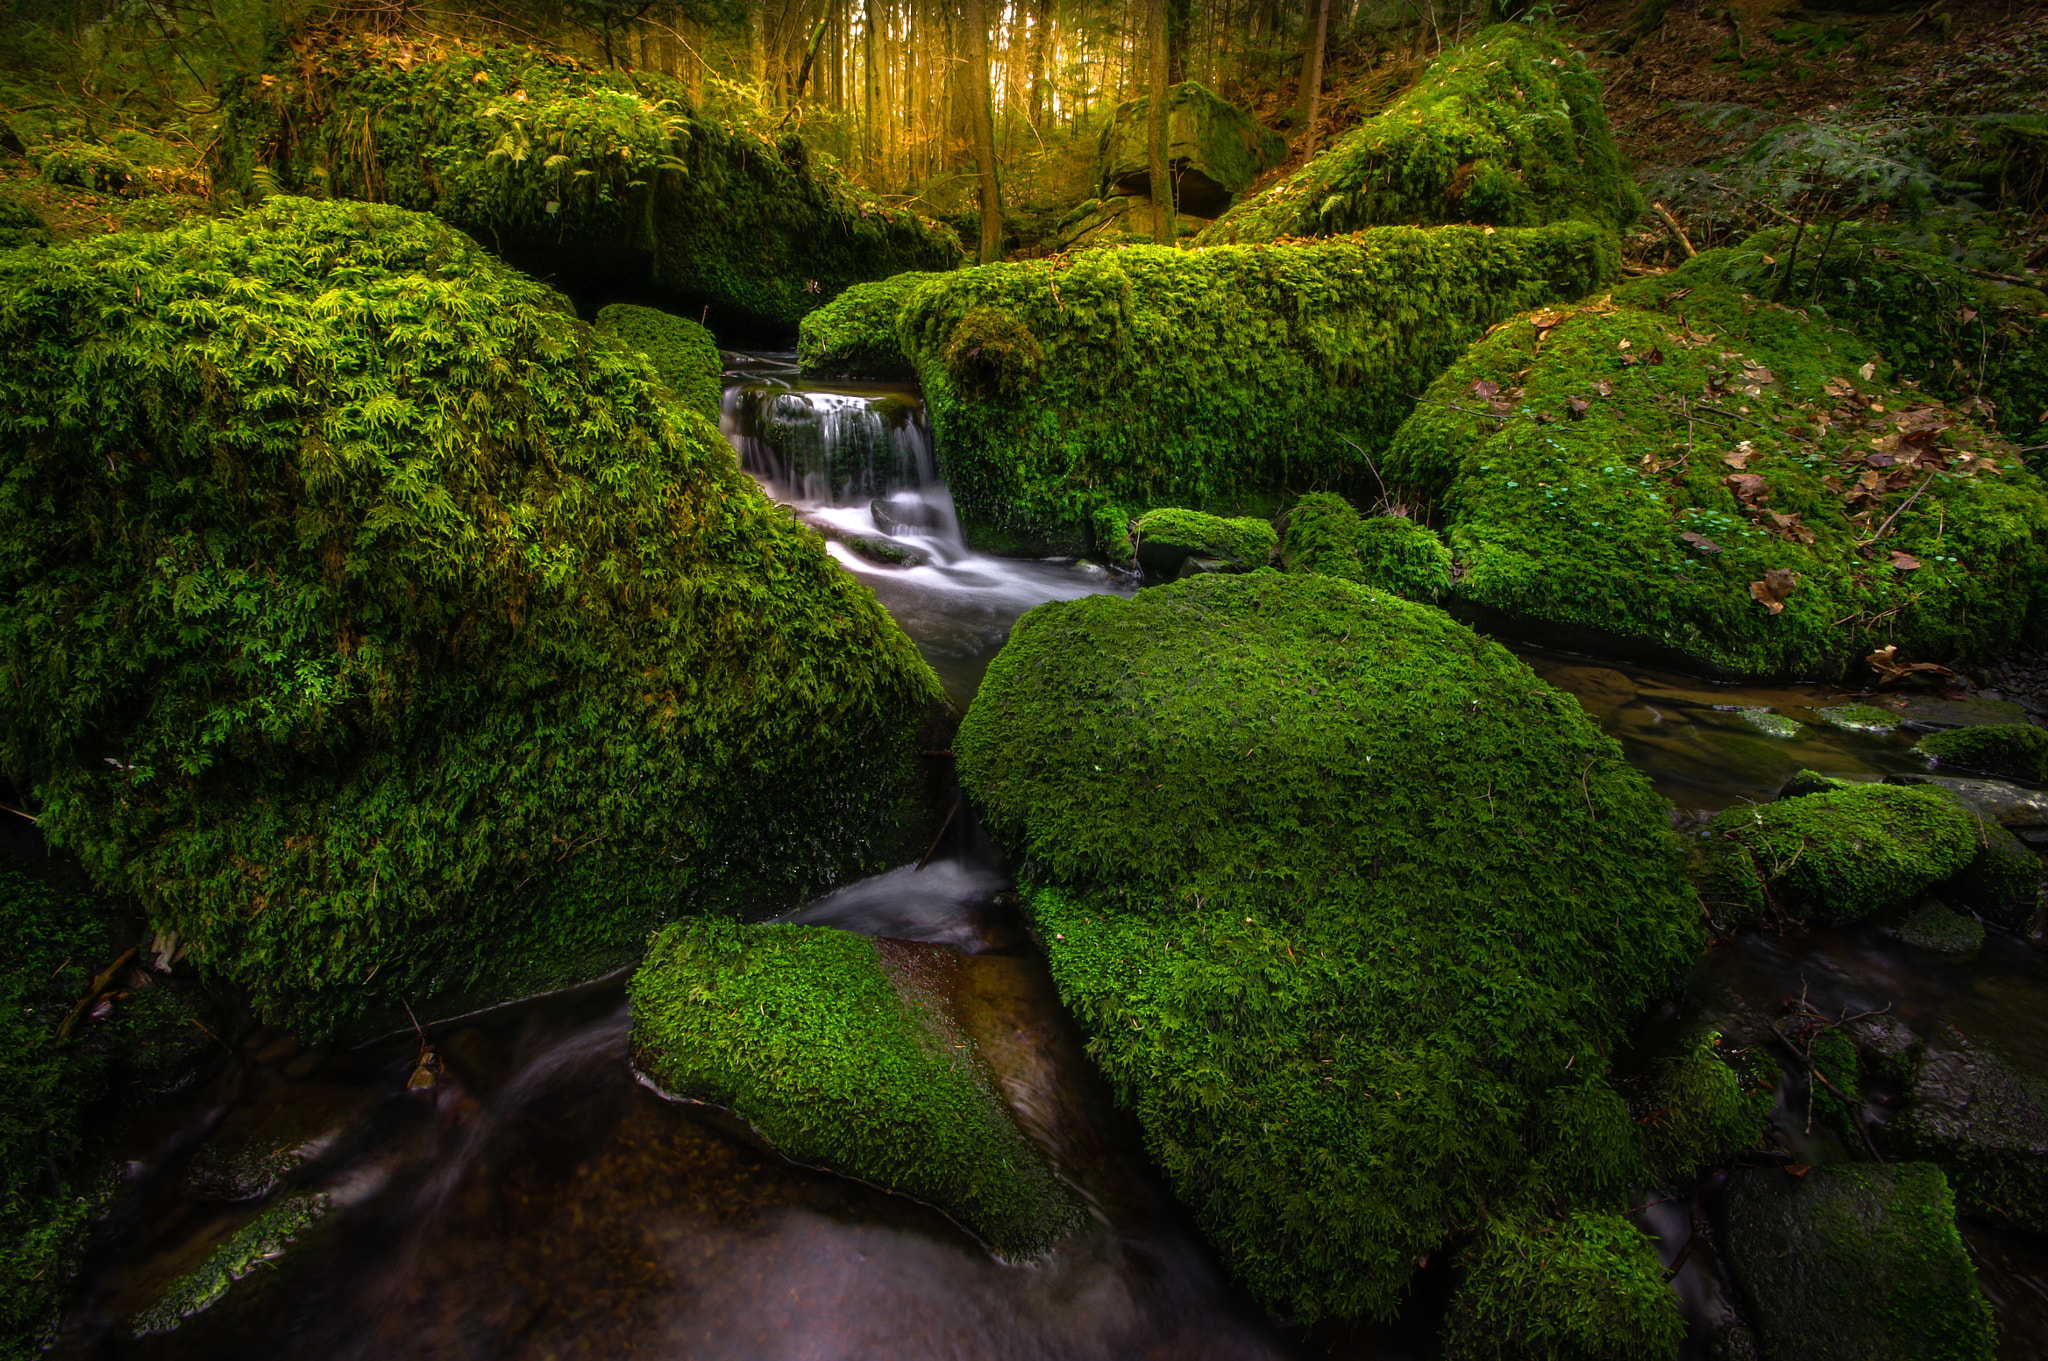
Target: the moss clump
(2012, 750)
(1936, 927)
(256, 1244)
(379, 626)
(1840, 855)
(585, 171)
(1329, 538)
(1214, 150)
(88, 165)
(1771, 723)
(1703, 479)
(683, 353)
(1699, 1110)
(1583, 1287)
(1340, 891)
(854, 335)
(1859, 718)
(21, 225)
(1855, 1263)
(1169, 535)
(1148, 376)
(840, 1060)
(1506, 129)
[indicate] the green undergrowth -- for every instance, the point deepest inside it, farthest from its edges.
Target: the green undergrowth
(1506, 129)
(1582, 1287)
(1686, 473)
(2012, 750)
(1699, 1109)
(1339, 890)
(20, 224)
(1326, 536)
(1116, 380)
(831, 1050)
(684, 354)
(1245, 541)
(383, 629)
(854, 335)
(544, 158)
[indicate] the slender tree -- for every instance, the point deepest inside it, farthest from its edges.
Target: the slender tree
(974, 19)
(1159, 171)
(1312, 74)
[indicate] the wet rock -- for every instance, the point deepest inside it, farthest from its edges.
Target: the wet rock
(1168, 537)
(1935, 927)
(905, 514)
(1889, 1048)
(1854, 1263)
(2009, 804)
(1196, 566)
(262, 1242)
(1804, 782)
(1769, 722)
(1976, 711)
(1985, 1121)
(1859, 718)
(2016, 751)
(261, 1147)
(854, 335)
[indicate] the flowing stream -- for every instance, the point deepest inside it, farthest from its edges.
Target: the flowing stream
(534, 1202)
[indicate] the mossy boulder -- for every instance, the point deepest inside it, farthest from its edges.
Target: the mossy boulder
(1837, 855)
(1214, 150)
(1698, 1109)
(1859, 718)
(1147, 376)
(1936, 927)
(1985, 1120)
(2013, 750)
(1326, 536)
(841, 1054)
(1586, 1286)
(1167, 537)
(1340, 891)
(1855, 1263)
(384, 630)
(1506, 129)
(1712, 481)
(684, 355)
(605, 179)
(854, 335)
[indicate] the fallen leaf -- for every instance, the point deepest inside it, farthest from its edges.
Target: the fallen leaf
(1622, 346)
(1838, 387)
(1966, 315)
(1797, 1169)
(1772, 590)
(1757, 373)
(1749, 488)
(1869, 371)
(1604, 388)
(1655, 356)
(1701, 542)
(1484, 388)
(1543, 321)
(1575, 407)
(1739, 456)
(1905, 562)
(1885, 661)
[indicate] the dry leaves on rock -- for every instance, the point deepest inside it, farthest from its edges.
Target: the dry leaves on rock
(1772, 590)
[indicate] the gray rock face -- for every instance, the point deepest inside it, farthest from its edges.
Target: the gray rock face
(1985, 1121)
(1854, 1263)
(2011, 805)
(1214, 150)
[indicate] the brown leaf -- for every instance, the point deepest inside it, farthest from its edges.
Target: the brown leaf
(1905, 562)
(1772, 590)
(1753, 372)
(1749, 488)
(1839, 387)
(1543, 321)
(1739, 457)
(1604, 388)
(1922, 420)
(1484, 388)
(1575, 407)
(1655, 356)
(1701, 542)
(1966, 315)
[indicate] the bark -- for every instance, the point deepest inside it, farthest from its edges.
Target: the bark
(1160, 172)
(1312, 75)
(974, 19)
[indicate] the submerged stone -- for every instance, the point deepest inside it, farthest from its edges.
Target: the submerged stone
(1985, 1120)
(1341, 892)
(1506, 129)
(440, 649)
(265, 1144)
(1326, 536)
(838, 1052)
(1855, 1263)
(1170, 536)
(683, 353)
(1214, 150)
(2015, 751)
(1769, 722)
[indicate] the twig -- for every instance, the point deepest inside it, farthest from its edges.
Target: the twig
(1881, 529)
(1685, 243)
(97, 986)
(937, 836)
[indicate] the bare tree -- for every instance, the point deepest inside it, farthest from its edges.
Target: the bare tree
(975, 19)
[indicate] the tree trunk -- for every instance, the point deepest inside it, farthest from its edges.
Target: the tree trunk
(974, 20)
(1180, 19)
(1159, 171)
(1040, 23)
(1312, 75)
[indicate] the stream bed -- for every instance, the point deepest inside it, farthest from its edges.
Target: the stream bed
(530, 1200)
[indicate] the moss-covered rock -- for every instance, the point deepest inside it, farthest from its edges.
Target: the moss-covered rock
(1838, 855)
(602, 176)
(379, 626)
(1214, 150)
(1703, 478)
(1326, 536)
(1507, 129)
(683, 353)
(1147, 376)
(1855, 1263)
(259, 1243)
(1937, 927)
(854, 335)
(1340, 891)
(832, 1049)
(1859, 718)
(1583, 1287)
(2002, 882)
(1985, 1120)
(1698, 1110)
(2015, 751)
(1168, 536)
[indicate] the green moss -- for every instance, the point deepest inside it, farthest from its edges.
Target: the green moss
(381, 627)
(1841, 855)
(1855, 1263)
(20, 224)
(1339, 890)
(1214, 149)
(684, 355)
(1770, 723)
(854, 335)
(88, 165)
(1167, 535)
(256, 1244)
(1699, 1110)
(1859, 718)
(1936, 927)
(1147, 376)
(831, 1048)
(2012, 750)
(1507, 129)
(1588, 1147)
(547, 159)
(1583, 472)
(1326, 536)
(1584, 1287)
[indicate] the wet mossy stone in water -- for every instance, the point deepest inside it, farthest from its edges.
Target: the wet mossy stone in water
(1586, 1286)
(2012, 750)
(1855, 1263)
(1214, 150)
(1147, 376)
(832, 1048)
(1859, 718)
(1690, 478)
(683, 353)
(607, 177)
(1340, 890)
(256, 1246)
(1506, 129)
(1327, 536)
(854, 335)
(1939, 928)
(1984, 1118)
(387, 632)
(1837, 855)
(1168, 536)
